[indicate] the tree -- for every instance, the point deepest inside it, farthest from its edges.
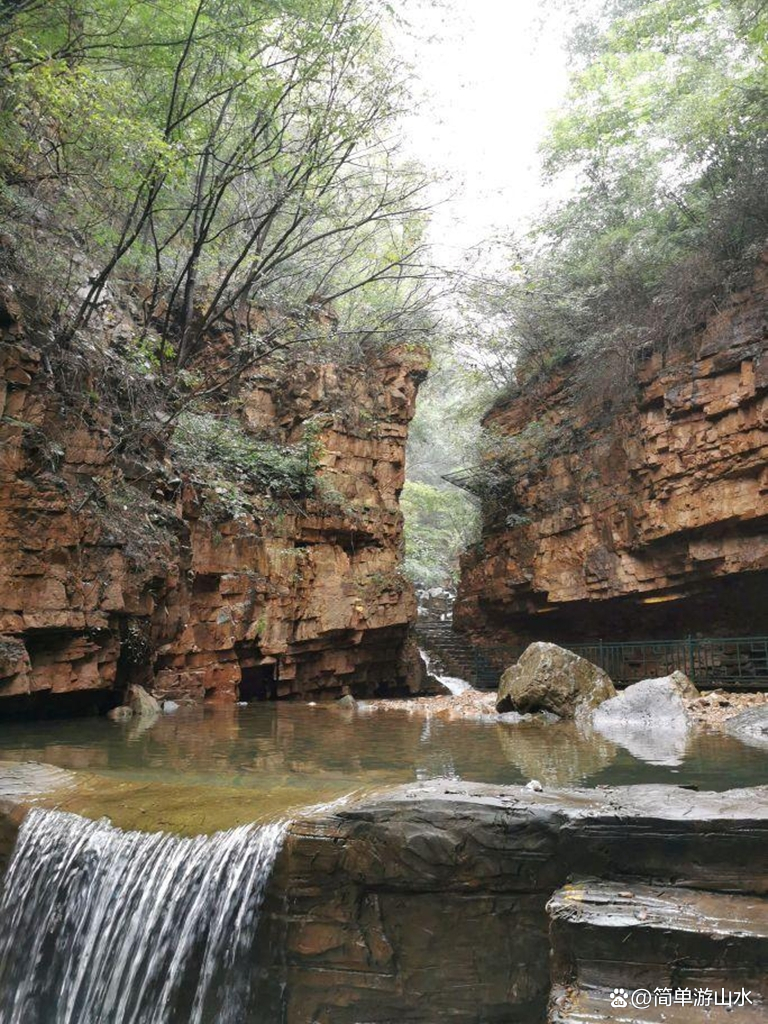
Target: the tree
(664, 138)
(237, 161)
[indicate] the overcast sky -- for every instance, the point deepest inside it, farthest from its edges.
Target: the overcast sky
(487, 78)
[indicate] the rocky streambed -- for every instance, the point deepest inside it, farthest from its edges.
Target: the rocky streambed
(711, 709)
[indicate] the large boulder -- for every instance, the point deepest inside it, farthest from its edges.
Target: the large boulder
(650, 719)
(143, 704)
(750, 727)
(551, 678)
(649, 704)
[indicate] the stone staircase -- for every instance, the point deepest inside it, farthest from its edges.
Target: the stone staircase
(450, 652)
(455, 654)
(612, 941)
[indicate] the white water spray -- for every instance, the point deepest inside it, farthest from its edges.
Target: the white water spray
(100, 926)
(452, 683)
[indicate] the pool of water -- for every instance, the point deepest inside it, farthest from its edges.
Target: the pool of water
(200, 769)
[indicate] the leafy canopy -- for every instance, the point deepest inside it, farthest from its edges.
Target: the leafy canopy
(662, 149)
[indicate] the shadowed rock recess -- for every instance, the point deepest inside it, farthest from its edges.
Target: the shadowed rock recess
(114, 570)
(644, 513)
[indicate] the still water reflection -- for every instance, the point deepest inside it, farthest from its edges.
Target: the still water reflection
(204, 768)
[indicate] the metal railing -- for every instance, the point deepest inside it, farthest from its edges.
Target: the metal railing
(710, 662)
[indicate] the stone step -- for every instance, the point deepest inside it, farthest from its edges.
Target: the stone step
(633, 936)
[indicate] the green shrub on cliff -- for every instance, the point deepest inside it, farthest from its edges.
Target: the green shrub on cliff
(219, 454)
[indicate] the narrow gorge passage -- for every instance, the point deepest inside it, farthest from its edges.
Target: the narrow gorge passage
(383, 511)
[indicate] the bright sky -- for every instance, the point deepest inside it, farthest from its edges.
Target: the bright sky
(489, 78)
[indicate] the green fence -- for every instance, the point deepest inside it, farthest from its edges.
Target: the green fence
(730, 662)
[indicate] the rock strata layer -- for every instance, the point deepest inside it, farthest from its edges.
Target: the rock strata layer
(694, 955)
(640, 516)
(369, 900)
(112, 571)
(430, 902)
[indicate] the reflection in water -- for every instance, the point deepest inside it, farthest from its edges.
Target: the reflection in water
(571, 755)
(202, 769)
(661, 746)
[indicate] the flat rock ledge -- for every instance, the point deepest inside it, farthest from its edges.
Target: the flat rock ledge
(369, 899)
(430, 901)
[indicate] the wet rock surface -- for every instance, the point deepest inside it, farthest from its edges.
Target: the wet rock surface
(670, 941)
(368, 901)
(20, 785)
(143, 704)
(429, 902)
(550, 678)
(750, 726)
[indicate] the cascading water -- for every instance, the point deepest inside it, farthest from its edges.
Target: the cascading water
(100, 926)
(452, 683)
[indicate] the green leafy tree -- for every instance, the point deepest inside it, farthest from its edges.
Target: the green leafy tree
(439, 524)
(441, 519)
(663, 139)
(236, 162)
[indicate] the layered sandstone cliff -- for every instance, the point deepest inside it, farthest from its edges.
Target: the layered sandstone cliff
(112, 568)
(643, 521)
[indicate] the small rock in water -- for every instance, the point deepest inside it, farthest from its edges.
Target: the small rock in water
(143, 703)
(120, 714)
(242, 704)
(534, 786)
(347, 701)
(312, 704)
(169, 706)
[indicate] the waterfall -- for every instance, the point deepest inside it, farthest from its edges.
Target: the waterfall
(100, 926)
(452, 683)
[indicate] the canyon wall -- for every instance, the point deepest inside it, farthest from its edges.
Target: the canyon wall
(645, 514)
(113, 570)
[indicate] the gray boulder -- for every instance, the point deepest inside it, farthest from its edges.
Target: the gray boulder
(142, 703)
(750, 727)
(649, 719)
(681, 682)
(551, 678)
(649, 704)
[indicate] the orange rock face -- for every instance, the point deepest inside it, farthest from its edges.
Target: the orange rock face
(652, 521)
(111, 573)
